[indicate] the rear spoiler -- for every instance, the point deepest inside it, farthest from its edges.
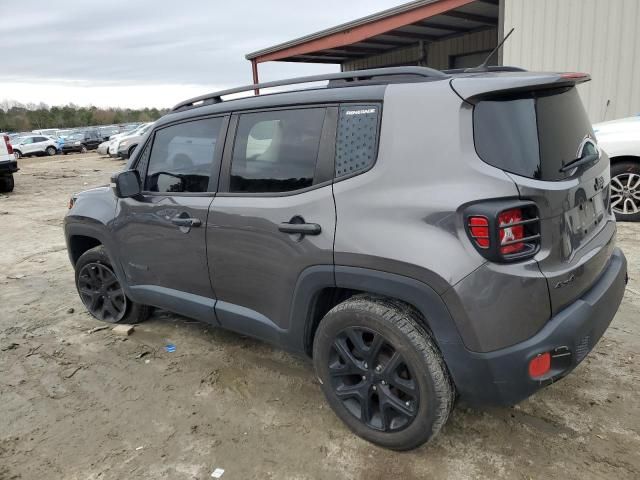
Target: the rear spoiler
(473, 87)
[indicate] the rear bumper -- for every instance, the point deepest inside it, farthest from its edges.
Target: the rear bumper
(8, 167)
(501, 377)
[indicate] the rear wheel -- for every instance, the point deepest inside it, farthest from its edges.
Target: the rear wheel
(382, 373)
(7, 183)
(51, 151)
(625, 190)
(101, 291)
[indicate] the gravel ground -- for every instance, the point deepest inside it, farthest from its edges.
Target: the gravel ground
(80, 405)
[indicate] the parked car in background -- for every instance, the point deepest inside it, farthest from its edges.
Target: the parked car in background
(106, 132)
(34, 145)
(8, 165)
(103, 148)
(82, 141)
(127, 144)
(114, 147)
(621, 140)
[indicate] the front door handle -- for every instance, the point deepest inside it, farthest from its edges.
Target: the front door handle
(298, 226)
(184, 221)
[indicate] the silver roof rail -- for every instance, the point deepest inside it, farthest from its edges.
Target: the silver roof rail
(354, 76)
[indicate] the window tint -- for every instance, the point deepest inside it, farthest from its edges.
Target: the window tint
(181, 158)
(533, 136)
(357, 139)
(40, 139)
(276, 151)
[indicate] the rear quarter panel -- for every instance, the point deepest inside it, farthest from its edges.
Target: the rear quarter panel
(402, 216)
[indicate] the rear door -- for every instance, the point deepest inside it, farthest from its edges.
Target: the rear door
(161, 233)
(274, 215)
(533, 136)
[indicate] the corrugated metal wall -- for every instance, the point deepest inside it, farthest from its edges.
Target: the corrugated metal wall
(437, 53)
(600, 37)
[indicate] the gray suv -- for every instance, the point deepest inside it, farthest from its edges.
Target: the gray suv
(423, 236)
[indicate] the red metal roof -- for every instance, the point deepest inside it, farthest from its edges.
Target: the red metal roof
(422, 20)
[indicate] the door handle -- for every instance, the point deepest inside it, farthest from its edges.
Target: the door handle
(297, 225)
(183, 220)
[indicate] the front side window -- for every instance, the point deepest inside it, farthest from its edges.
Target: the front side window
(181, 158)
(276, 151)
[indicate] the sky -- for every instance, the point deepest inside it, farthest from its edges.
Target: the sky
(146, 53)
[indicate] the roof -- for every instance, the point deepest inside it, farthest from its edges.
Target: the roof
(407, 24)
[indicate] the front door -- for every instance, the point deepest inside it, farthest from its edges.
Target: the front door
(273, 217)
(162, 232)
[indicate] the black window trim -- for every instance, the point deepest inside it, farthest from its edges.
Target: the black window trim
(217, 159)
(325, 164)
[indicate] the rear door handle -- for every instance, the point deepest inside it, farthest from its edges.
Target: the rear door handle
(297, 225)
(183, 220)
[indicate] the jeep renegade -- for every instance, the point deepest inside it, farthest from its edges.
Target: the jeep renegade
(423, 236)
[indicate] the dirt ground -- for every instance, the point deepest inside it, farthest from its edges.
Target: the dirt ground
(79, 405)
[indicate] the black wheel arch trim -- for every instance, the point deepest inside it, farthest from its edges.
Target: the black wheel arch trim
(437, 318)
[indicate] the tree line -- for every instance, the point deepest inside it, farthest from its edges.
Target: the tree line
(17, 117)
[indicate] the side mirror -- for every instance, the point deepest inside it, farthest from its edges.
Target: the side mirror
(126, 184)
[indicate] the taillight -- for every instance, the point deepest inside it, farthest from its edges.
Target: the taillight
(479, 230)
(7, 142)
(511, 231)
(504, 230)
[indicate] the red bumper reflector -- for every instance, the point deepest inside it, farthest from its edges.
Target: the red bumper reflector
(540, 365)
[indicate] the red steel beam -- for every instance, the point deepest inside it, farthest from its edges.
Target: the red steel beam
(362, 32)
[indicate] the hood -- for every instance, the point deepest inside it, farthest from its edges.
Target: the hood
(629, 124)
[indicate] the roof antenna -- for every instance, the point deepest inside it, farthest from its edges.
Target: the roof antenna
(484, 66)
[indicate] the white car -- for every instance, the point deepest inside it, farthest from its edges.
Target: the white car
(116, 146)
(34, 145)
(103, 148)
(620, 139)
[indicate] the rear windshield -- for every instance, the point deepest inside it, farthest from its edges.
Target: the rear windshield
(533, 135)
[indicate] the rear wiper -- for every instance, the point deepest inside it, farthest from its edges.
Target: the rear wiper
(592, 157)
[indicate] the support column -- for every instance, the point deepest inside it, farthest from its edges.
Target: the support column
(254, 70)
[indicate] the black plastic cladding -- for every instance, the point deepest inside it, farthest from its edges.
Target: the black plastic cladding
(357, 140)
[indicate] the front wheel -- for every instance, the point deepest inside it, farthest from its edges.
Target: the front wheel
(101, 291)
(51, 151)
(83, 149)
(625, 191)
(382, 373)
(17, 154)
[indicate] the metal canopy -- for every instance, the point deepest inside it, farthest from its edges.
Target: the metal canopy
(405, 25)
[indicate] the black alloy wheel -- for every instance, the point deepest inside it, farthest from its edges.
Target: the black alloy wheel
(372, 380)
(101, 292)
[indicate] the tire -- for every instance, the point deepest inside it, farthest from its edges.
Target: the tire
(51, 151)
(426, 388)
(83, 149)
(625, 190)
(17, 154)
(7, 183)
(96, 279)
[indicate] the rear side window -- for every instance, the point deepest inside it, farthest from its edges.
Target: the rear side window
(276, 151)
(357, 138)
(181, 158)
(534, 135)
